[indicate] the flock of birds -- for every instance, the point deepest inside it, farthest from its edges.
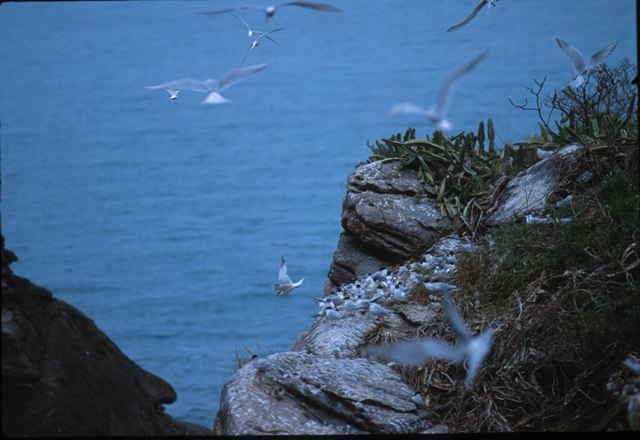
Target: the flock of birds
(370, 294)
(436, 113)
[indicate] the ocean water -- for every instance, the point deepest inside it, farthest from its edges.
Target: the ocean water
(164, 221)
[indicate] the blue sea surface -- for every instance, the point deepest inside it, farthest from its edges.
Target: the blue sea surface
(164, 221)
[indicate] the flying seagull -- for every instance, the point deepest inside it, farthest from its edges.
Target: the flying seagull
(270, 11)
(211, 87)
(285, 285)
(437, 113)
(173, 94)
(256, 42)
(580, 68)
(251, 31)
(418, 351)
(471, 16)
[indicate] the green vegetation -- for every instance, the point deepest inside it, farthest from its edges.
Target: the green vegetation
(461, 169)
(568, 304)
(458, 168)
(565, 297)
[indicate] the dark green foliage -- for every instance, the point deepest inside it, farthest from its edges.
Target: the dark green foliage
(458, 167)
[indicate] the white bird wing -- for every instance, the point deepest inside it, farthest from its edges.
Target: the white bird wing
(190, 84)
(266, 34)
(243, 22)
(577, 60)
(416, 352)
(237, 74)
(251, 46)
(469, 18)
(477, 350)
(312, 5)
(406, 107)
(600, 56)
(282, 275)
(237, 8)
(455, 320)
(440, 106)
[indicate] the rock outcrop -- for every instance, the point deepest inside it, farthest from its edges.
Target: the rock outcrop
(529, 190)
(303, 394)
(387, 216)
(324, 385)
(62, 376)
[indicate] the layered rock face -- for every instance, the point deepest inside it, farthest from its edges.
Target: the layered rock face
(62, 376)
(387, 215)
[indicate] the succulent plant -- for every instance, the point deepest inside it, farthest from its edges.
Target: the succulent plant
(457, 167)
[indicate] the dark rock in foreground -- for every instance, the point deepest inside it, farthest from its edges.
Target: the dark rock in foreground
(62, 376)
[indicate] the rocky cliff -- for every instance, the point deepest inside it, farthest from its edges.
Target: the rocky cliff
(384, 287)
(62, 376)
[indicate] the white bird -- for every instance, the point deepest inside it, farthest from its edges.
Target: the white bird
(474, 348)
(269, 11)
(580, 68)
(418, 399)
(256, 43)
(333, 314)
(398, 293)
(543, 154)
(378, 310)
(285, 285)
(350, 306)
(212, 87)
(473, 14)
(437, 112)
(440, 287)
(251, 31)
(173, 94)
(561, 203)
(260, 364)
(533, 220)
(418, 351)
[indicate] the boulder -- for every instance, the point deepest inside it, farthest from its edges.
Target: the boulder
(528, 191)
(62, 376)
(303, 394)
(387, 215)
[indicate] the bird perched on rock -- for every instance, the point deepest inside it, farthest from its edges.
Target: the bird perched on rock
(333, 314)
(418, 399)
(418, 351)
(285, 285)
(378, 310)
(440, 287)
